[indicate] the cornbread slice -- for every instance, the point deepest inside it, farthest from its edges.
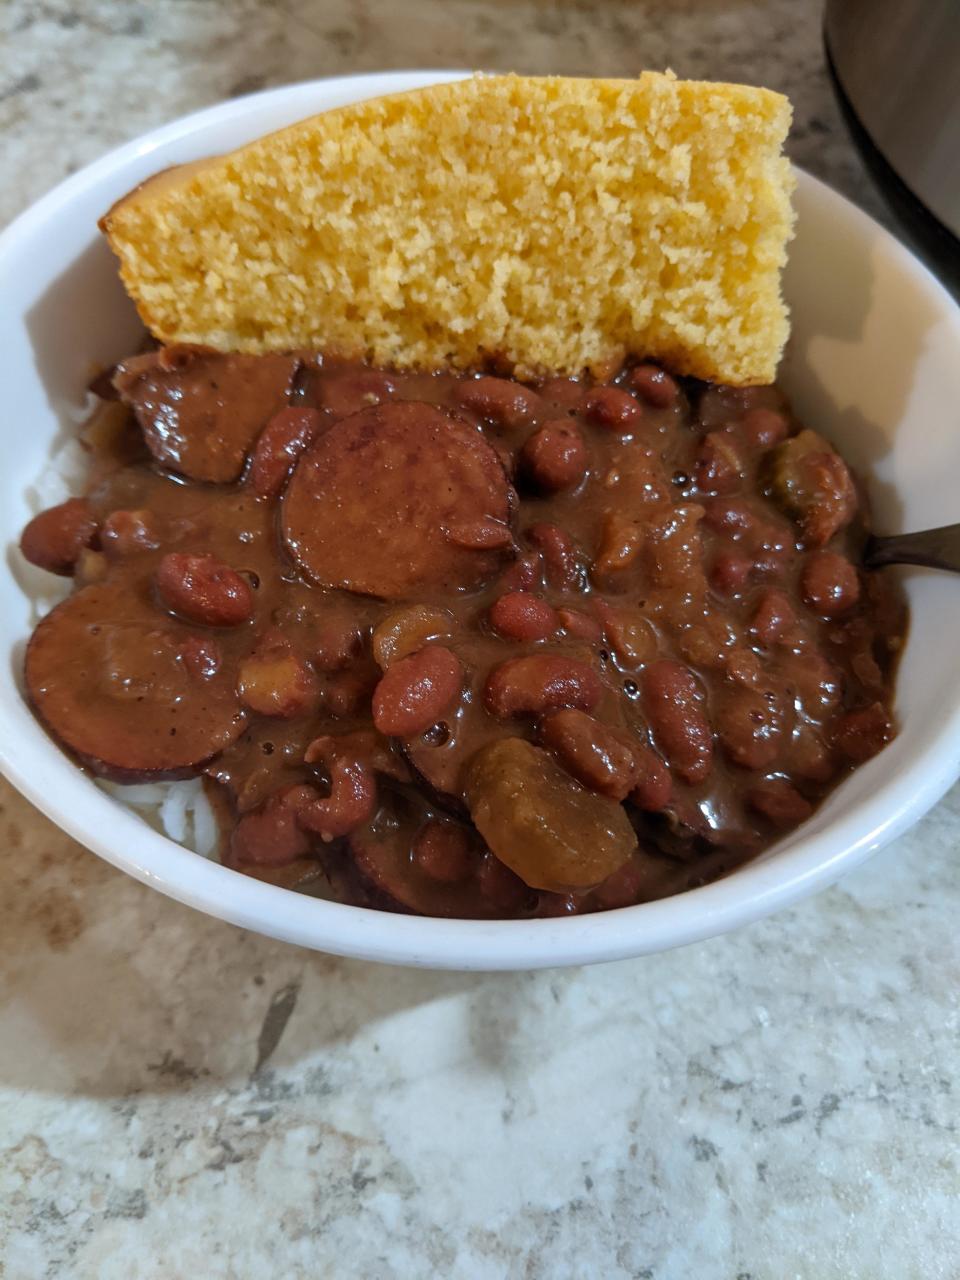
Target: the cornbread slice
(554, 223)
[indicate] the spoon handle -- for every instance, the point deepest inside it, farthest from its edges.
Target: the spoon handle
(935, 548)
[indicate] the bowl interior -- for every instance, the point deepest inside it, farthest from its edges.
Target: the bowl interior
(872, 364)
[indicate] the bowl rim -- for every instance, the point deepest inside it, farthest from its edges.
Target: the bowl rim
(754, 890)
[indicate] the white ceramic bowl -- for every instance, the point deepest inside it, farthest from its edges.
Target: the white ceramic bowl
(874, 363)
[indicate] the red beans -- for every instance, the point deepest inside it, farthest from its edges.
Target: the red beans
(719, 466)
(416, 691)
(580, 625)
(861, 734)
(203, 589)
(335, 640)
(554, 458)
(271, 836)
(673, 700)
(611, 407)
(750, 725)
(525, 572)
(596, 755)
(763, 428)
(533, 685)
(522, 617)
(560, 559)
(281, 443)
(201, 656)
(442, 851)
(780, 802)
(829, 584)
(353, 792)
(655, 385)
(654, 786)
(54, 539)
(730, 574)
(774, 617)
(503, 402)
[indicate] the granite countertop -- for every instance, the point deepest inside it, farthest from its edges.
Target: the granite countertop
(179, 1098)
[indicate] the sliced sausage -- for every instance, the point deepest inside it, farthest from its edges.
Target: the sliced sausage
(397, 865)
(117, 683)
(370, 505)
(190, 424)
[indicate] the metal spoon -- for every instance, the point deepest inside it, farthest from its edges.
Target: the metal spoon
(935, 548)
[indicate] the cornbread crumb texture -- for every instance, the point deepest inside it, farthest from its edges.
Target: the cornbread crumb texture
(556, 223)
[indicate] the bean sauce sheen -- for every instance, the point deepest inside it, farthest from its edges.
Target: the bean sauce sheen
(458, 645)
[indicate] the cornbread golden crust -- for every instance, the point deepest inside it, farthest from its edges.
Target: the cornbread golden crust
(554, 223)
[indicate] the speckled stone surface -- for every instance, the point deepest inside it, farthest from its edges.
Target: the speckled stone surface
(179, 1098)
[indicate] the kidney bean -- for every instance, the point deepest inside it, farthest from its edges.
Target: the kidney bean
(810, 757)
(773, 618)
(533, 685)
(773, 550)
(554, 458)
(672, 700)
(829, 584)
(612, 407)
(271, 836)
(442, 851)
(480, 535)
(274, 681)
(719, 467)
(627, 632)
(127, 533)
(416, 691)
(730, 574)
(499, 400)
(525, 572)
(655, 385)
(560, 558)
(353, 792)
(816, 683)
(763, 428)
(523, 617)
(780, 802)
(348, 692)
(335, 640)
(743, 667)
(54, 539)
(730, 516)
(653, 789)
(750, 725)
(565, 392)
(201, 656)
(280, 444)
(580, 625)
(500, 887)
(203, 589)
(860, 734)
(595, 754)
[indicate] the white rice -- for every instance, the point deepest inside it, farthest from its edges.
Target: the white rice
(179, 810)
